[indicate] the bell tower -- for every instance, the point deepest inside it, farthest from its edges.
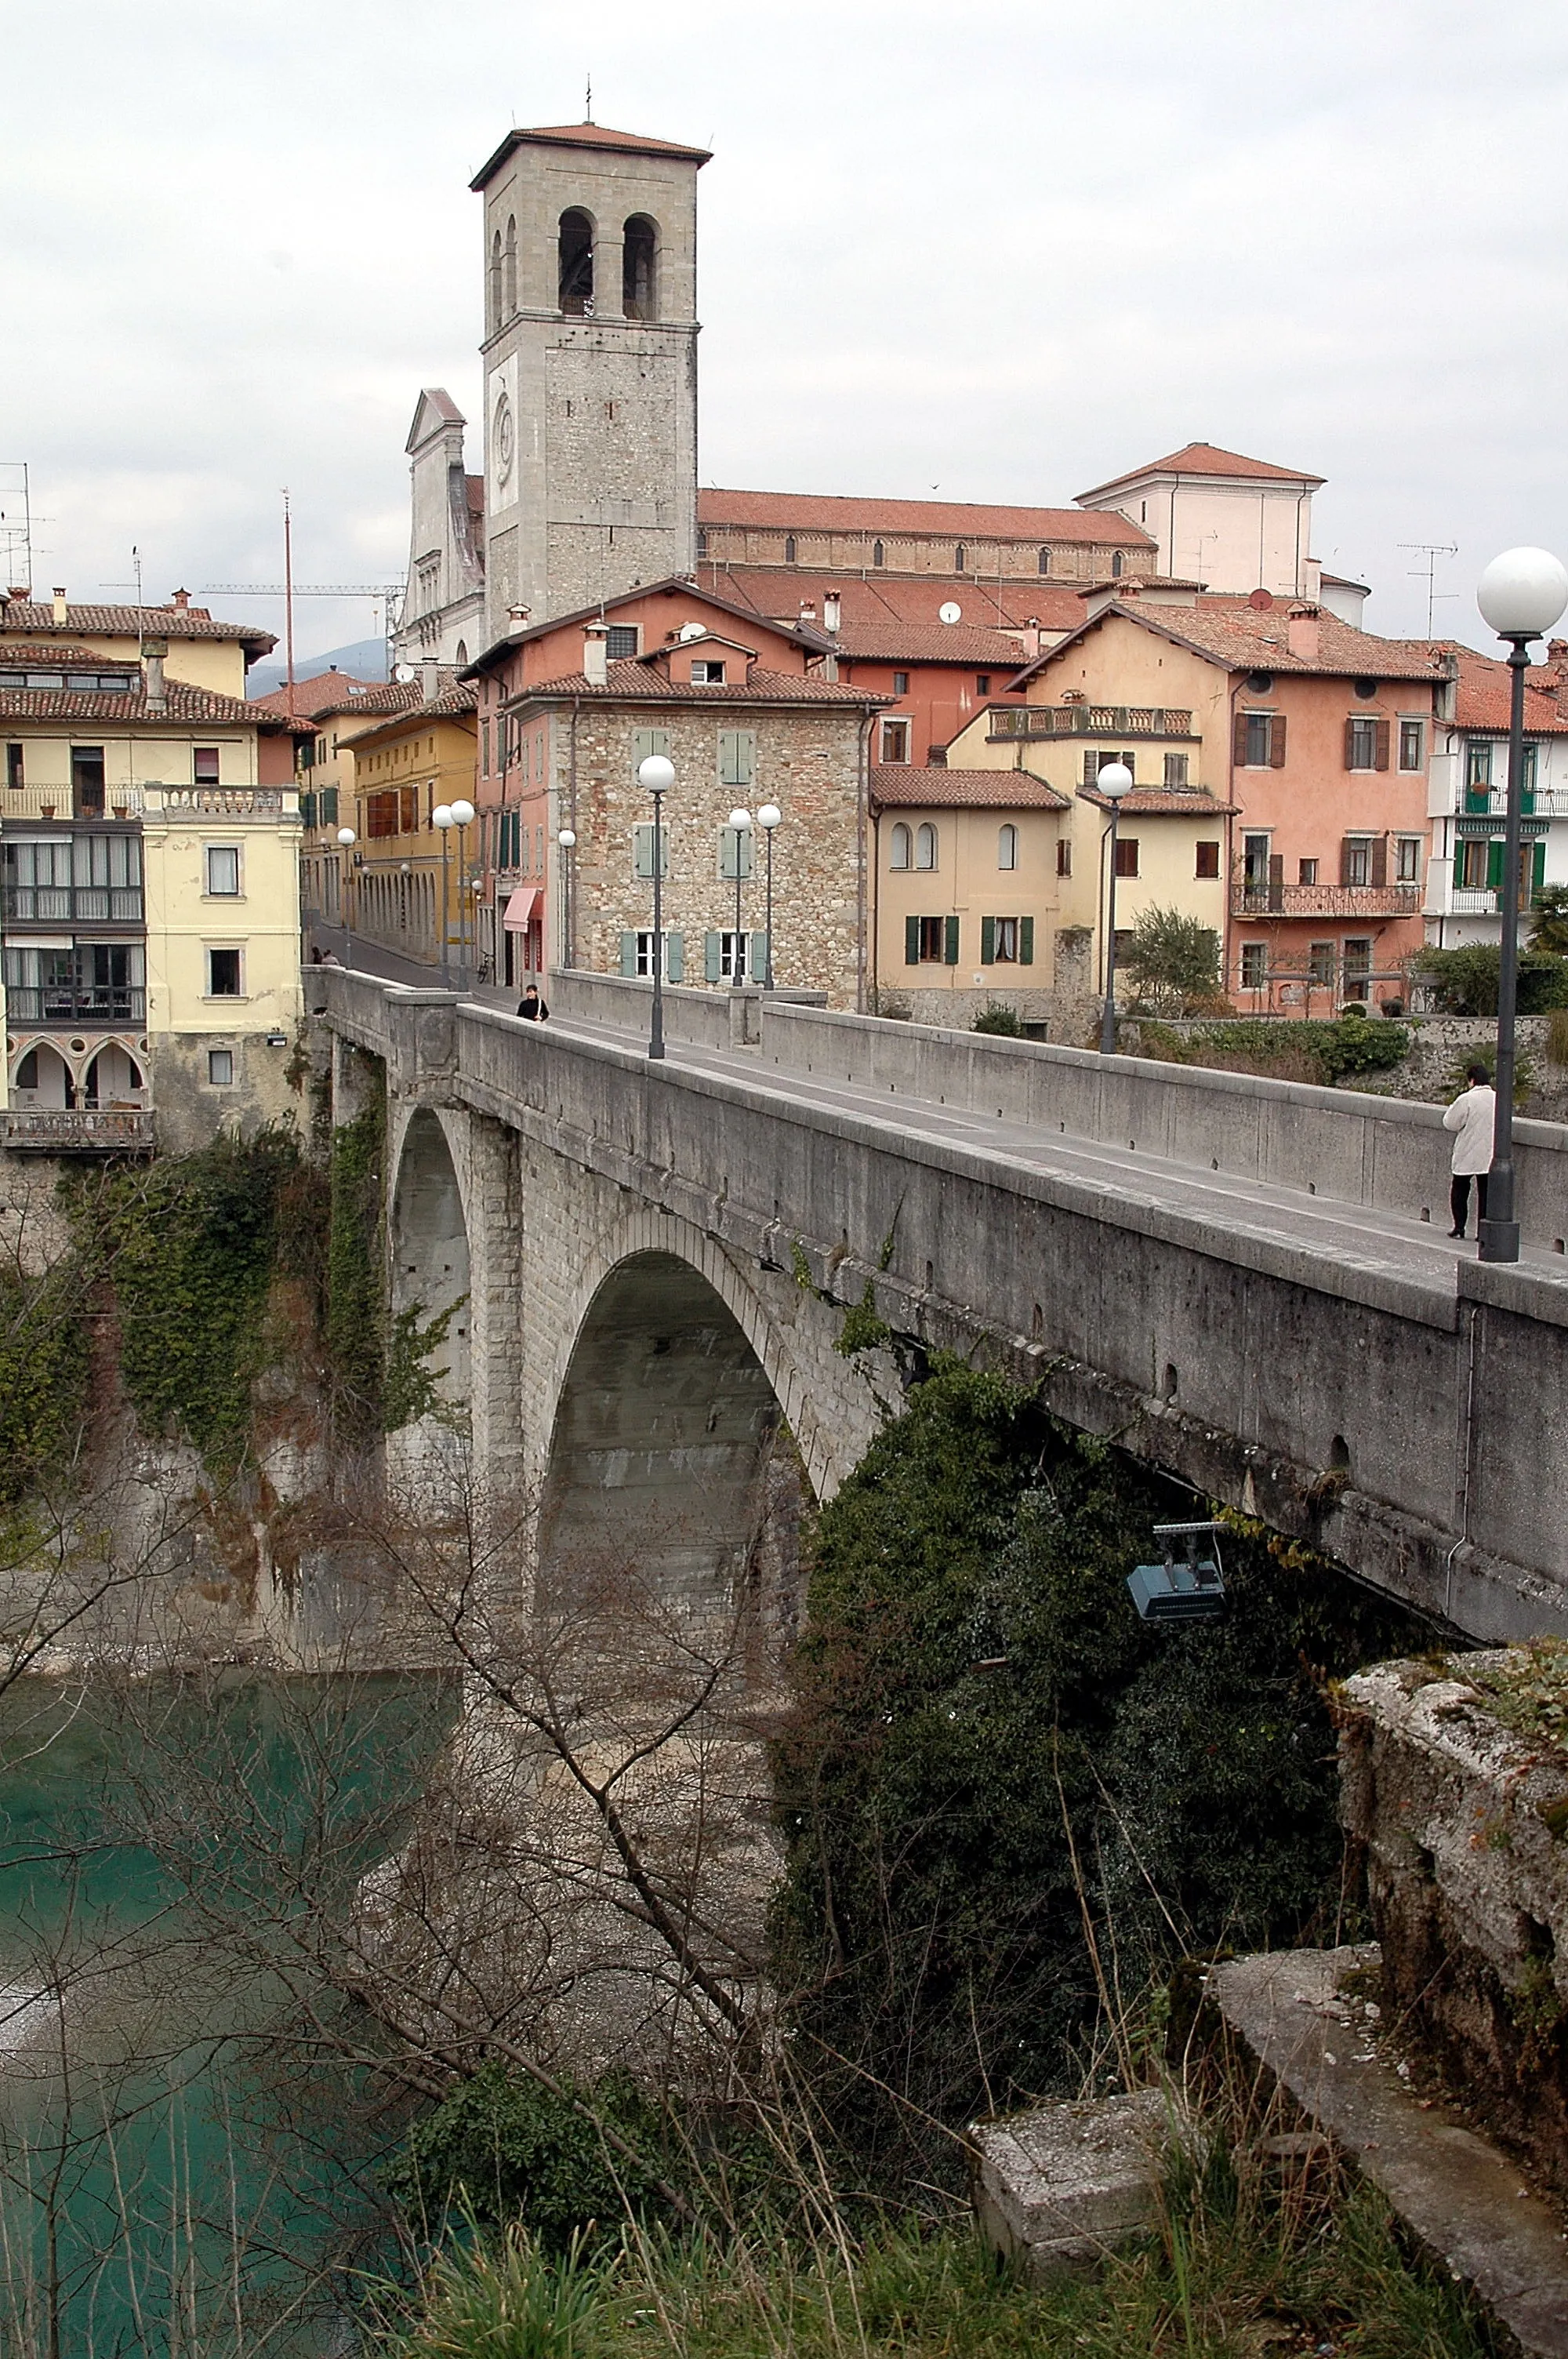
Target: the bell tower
(590, 367)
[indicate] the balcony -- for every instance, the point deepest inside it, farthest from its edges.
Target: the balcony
(1474, 802)
(1471, 901)
(34, 1004)
(56, 1130)
(65, 905)
(55, 804)
(1250, 897)
(226, 802)
(1090, 721)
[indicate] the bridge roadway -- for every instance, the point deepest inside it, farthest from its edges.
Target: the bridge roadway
(1342, 1369)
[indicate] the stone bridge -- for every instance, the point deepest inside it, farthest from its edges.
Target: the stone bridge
(1246, 1283)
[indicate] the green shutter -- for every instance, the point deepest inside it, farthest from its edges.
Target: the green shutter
(736, 757)
(674, 958)
(645, 741)
(1494, 866)
(950, 942)
(1026, 941)
(307, 810)
(987, 941)
(328, 806)
(1537, 869)
(629, 956)
(912, 941)
(711, 961)
(757, 958)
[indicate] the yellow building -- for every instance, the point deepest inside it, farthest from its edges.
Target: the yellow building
(401, 868)
(200, 651)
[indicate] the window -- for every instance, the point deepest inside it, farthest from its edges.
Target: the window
(509, 277)
(1254, 965)
(902, 850)
(381, 813)
(485, 748)
(221, 1068)
(982, 683)
(901, 683)
(734, 852)
(1096, 761)
(575, 264)
(637, 955)
(736, 757)
(1410, 746)
(1357, 967)
(708, 671)
(1007, 847)
(1355, 860)
(1407, 859)
(1529, 763)
(222, 975)
(789, 549)
(931, 941)
(1004, 942)
(1044, 560)
(1255, 863)
(639, 252)
(657, 741)
(1007, 941)
(1119, 565)
(732, 958)
(224, 868)
(1260, 740)
(620, 642)
(16, 775)
(701, 541)
(895, 741)
(925, 845)
(1206, 862)
(1321, 964)
(1365, 741)
(495, 311)
(328, 806)
(87, 781)
(1127, 855)
(1478, 763)
(958, 559)
(877, 557)
(1175, 769)
(205, 759)
(1470, 864)
(643, 850)
(1063, 858)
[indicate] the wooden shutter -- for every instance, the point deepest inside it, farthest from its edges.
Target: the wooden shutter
(645, 741)
(912, 941)
(1345, 860)
(757, 958)
(1238, 740)
(307, 811)
(736, 757)
(1277, 741)
(1380, 856)
(1276, 880)
(711, 957)
(1382, 734)
(629, 956)
(674, 958)
(643, 850)
(1026, 941)
(1091, 768)
(1350, 750)
(328, 806)
(987, 941)
(950, 942)
(1537, 867)
(1494, 866)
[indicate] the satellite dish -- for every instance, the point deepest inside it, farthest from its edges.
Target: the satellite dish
(694, 630)
(950, 611)
(404, 674)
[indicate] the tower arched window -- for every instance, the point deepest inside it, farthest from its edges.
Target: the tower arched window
(789, 549)
(903, 848)
(1044, 560)
(925, 846)
(877, 553)
(576, 264)
(1007, 847)
(639, 277)
(510, 261)
(495, 311)
(959, 554)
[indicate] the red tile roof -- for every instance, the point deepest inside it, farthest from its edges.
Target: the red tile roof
(584, 134)
(966, 521)
(1243, 637)
(1207, 459)
(1163, 802)
(401, 700)
(1484, 695)
(182, 703)
(901, 787)
(778, 592)
(58, 657)
(324, 693)
(936, 643)
(637, 683)
(36, 615)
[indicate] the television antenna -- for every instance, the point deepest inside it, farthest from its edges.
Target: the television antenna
(15, 525)
(1432, 551)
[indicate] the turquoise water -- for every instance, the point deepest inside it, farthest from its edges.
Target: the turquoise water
(189, 2144)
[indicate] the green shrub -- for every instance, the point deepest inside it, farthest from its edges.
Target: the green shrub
(1173, 958)
(996, 1017)
(44, 1366)
(1464, 982)
(1321, 1052)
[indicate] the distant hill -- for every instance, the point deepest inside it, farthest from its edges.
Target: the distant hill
(366, 658)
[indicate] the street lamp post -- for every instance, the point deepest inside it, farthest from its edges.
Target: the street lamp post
(462, 819)
(1114, 781)
(1520, 595)
(740, 823)
(656, 776)
(768, 818)
(348, 839)
(566, 837)
(441, 817)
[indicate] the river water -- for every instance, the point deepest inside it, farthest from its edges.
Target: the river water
(189, 2143)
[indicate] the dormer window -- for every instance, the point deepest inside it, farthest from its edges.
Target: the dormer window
(708, 671)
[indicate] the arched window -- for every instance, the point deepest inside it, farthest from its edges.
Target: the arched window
(495, 312)
(903, 849)
(1044, 560)
(789, 549)
(1007, 847)
(576, 252)
(639, 251)
(462, 655)
(876, 552)
(958, 559)
(510, 287)
(1119, 564)
(925, 846)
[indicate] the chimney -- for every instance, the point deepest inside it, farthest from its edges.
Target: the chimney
(20, 590)
(1302, 633)
(60, 612)
(153, 652)
(832, 611)
(596, 654)
(430, 680)
(517, 618)
(808, 612)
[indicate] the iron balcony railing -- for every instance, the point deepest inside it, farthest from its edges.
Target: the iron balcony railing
(58, 1130)
(29, 1002)
(1090, 721)
(1483, 802)
(1255, 896)
(99, 904)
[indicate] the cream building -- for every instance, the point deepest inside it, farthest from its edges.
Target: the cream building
(1229, 522)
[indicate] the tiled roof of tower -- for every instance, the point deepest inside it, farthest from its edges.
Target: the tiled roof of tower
(180, 703)
(900, 787)
(585, 135)
(867, 602)
(640, 682)
(324, 693)
(24, 615)
(827, 512)
(1233, 632)
(1207, 458)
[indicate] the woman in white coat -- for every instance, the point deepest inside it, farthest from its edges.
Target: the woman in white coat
(1474, 1115)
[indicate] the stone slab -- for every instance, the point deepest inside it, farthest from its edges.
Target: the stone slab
(1463, 2199)
(1061, 2185)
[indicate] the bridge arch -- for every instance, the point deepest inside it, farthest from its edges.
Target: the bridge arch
(429, 1252)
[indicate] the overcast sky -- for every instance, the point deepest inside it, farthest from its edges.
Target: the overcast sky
(1001, 253)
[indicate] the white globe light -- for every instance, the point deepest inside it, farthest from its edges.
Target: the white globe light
(769, 816)
(441, 816)
(1522, 592)
(656, 774)
(346, 835)
(565, 837)
(1115, 780)
(461, 813)
(739, 818)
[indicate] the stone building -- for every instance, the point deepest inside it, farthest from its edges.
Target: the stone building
(443, 617)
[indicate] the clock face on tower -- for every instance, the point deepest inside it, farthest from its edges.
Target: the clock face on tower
(504, 439)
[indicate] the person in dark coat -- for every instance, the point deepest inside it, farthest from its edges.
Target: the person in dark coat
(531, 1006)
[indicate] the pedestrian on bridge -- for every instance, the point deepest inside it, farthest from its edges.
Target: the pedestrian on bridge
(531, 1007)
(1474, 1115)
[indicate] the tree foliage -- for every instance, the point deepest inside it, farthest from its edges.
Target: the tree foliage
(1173, 958)
(1464, 982)
(1549, 921)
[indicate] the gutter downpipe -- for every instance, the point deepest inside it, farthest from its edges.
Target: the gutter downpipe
(863, 897)
(573, 914)
(1230, 827)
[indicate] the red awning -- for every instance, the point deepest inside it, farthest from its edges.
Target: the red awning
(526, 904)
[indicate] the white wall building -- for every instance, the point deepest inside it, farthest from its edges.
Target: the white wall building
(1469, 777)
(443, 607)
(1230, 522)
